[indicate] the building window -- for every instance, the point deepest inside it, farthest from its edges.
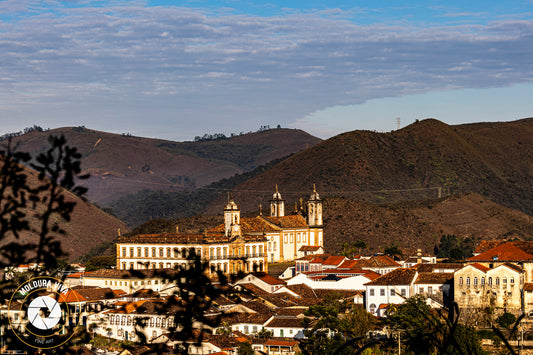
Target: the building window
(269, 246)
(382, 292)
(460, 281)
(475, 281)
(298, 237)
(292, 238)
(490, 280)
(421, 290)
(497, 281)
(285, 238)
(168, 253)
(154, 254)
(505, 280)
(260, 250)
(139, 252)
(245, 329)
(304, 237)
(124, 266)
(403, 293)
(123, 251)
(468, 281)
(393, 292)
(131, 252)
(371, 292)
(482, 281)
(146, 254)
(512, 281)
(430, 290)
(275, 246)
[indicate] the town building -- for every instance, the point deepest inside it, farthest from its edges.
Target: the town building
(239, 244)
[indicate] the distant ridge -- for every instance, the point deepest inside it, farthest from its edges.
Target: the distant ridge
(494, 160)
(123, 164)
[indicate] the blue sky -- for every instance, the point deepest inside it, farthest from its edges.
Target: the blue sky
(177, 69)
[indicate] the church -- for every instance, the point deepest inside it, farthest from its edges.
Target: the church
(239, 244)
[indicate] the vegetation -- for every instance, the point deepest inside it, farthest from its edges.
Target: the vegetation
(454, 248)
(8, 136)
(147, 205)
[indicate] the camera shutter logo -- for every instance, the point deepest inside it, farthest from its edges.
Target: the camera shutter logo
(50, 312)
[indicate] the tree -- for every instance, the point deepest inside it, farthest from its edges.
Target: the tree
(506, 320)
(335, 327)
(36, 205)
(424, 330)
(245, 348)
(393, 250)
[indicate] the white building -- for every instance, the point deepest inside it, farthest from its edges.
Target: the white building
(240, 244)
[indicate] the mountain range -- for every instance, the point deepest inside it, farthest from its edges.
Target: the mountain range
(121, 164)
(406, 187)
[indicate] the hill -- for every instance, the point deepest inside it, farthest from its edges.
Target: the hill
(420, 224)
(123, 164)
(88, 226)
(494, 160)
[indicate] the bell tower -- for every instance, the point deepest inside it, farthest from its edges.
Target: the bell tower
(314, 209)
(232, 219)
(277, 205)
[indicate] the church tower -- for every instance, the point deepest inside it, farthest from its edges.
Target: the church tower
(232, 219)
(277, 205)
(314, 210)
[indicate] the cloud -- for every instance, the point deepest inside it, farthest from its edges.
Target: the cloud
(223, 70)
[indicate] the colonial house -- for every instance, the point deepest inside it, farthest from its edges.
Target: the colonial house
(262, 280)
(392, 288)
(240, 244)
(126, 280)
(479, 287)
(496, 277)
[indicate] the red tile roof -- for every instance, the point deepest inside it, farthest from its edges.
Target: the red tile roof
(271, 280)
(504, 252)
(294, 221)
(480, 267)
(436, 278)
(309, 248)
(334, 260)
(399, 276)
(274, 342)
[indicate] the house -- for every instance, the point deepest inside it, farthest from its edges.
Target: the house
(262, 280)
(437, 287)
(478, 287)
(286, 327)
(128, 281)
(392, 288)
(335, 279)
(495, 277)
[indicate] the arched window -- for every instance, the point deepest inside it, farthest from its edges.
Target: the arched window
(482, 281)
(490, 280)
(111, 320)
(497, 281)
(468, 281)
(153, 253)
(168, 253)
(475, 281)
(129, 320)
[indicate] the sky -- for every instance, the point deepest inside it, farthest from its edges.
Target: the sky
(180, 69)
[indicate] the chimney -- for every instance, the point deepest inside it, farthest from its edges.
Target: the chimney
(118, 232)
(177, 229)
(419, 256)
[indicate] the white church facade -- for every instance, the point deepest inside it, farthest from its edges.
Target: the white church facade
(239, 244)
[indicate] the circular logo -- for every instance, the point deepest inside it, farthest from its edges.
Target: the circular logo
(44, 312)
